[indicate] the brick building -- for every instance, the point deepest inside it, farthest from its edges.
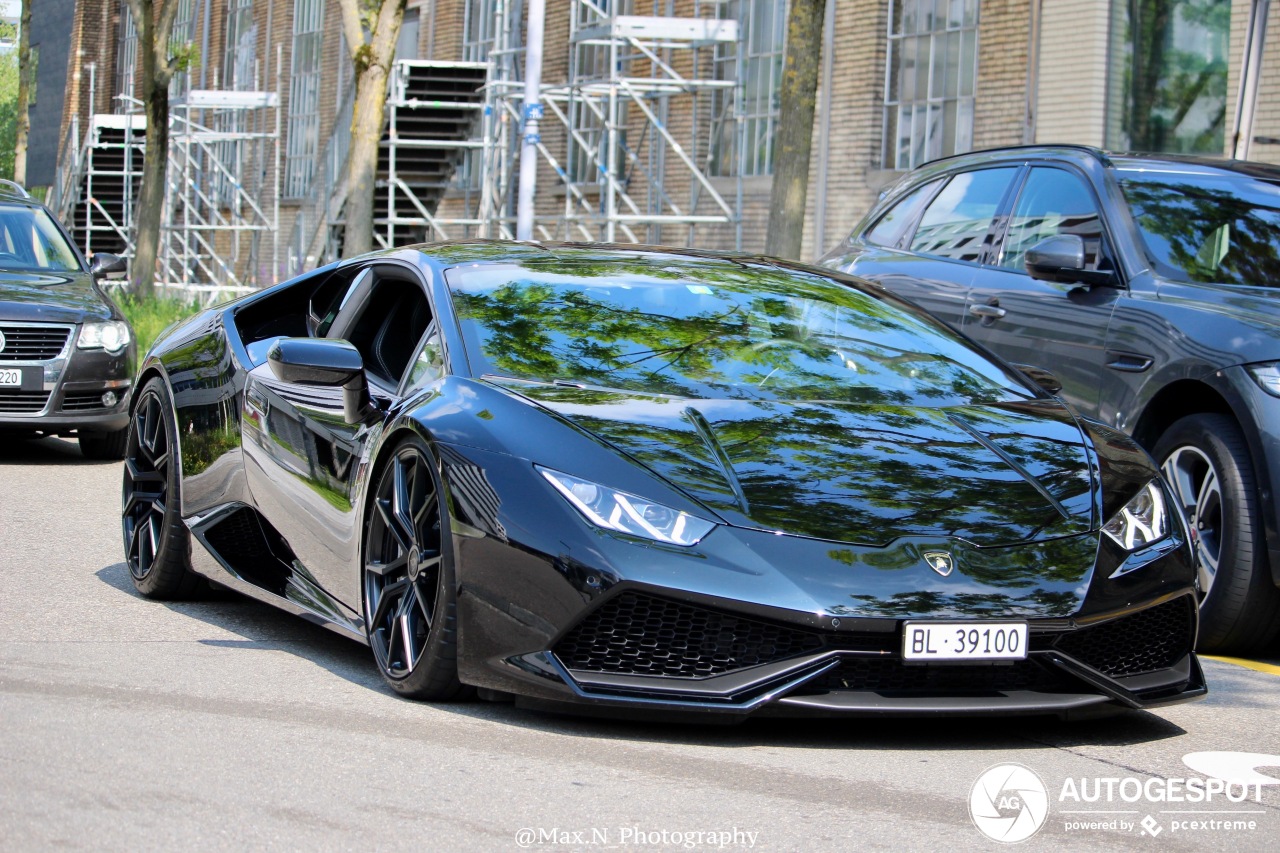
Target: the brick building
(667, 137)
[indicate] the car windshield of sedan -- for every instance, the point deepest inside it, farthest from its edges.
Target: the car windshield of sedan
(714, 331)
(1207, 228)
(29, 240)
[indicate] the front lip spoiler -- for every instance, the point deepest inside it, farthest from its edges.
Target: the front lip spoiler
(767, 689)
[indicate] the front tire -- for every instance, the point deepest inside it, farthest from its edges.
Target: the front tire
(407, 578)
(104, 445)
(1206, 462)
(157, 546)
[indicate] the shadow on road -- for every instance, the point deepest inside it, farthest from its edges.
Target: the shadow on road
(16, 450)
(263, 627)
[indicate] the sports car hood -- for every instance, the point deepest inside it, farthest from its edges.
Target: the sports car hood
(992, 475)
(50, 297)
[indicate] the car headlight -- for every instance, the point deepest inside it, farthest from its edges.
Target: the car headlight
(1267, 376)
(624, 513)
(1143, 520)
(112, 336)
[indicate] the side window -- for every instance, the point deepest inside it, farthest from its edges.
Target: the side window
(385, 323)
(1052, 202)
(428, 362)
(889, 229)
(956, 223)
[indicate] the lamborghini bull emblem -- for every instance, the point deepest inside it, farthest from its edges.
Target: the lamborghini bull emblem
(939, 561)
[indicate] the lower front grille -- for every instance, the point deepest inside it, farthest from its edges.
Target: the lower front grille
(1146, 641)
(79, 401)
(889, 675)
(22, 402)
(638, 634)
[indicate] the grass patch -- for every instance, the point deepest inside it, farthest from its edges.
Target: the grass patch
(150, 317)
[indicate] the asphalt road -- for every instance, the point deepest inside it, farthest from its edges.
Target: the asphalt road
(225, 724)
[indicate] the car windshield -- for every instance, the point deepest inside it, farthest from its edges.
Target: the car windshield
(29, 240)
(714, 331)
(1219, 228)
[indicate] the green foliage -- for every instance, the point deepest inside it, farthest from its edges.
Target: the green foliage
(151, 316)
(8, 110)
(184, 57)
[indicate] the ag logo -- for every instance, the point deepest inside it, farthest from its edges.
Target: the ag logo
(939, 561)
(1008, 803)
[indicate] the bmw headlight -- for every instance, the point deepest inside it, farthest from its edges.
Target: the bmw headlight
(1143, 520)
(112, 336)
(624, 513)
(1267, 375)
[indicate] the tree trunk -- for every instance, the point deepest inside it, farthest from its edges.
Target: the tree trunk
(795, 129)
(153, 49)
(26, 76)
(371, 28)
(366, 132)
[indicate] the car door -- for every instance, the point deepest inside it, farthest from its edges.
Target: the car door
(1059, 327)
(926, 248)
(303, 460)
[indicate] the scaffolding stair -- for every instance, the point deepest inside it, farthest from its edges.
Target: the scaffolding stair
(100, 210)
(433, 120)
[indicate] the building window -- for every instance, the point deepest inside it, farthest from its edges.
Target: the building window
(242, 46)
(763, 37)
(930, 74)
(126, 60)
(479, 30)
(1169, 76)
(304, 97)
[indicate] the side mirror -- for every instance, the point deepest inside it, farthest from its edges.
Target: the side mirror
(1061, 259)
(326, 363)
(106, 265)
(1041, 377)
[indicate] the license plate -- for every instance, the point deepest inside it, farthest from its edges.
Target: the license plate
(10, 378)
(964, 641)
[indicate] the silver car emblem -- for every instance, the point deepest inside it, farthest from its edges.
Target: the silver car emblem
(939, 561)
(1, 341)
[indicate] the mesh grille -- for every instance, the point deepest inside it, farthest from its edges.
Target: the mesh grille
(888, 675)
(636, 634)
(1146, 641)
(77, 401)
(32, 343)
(22, 401)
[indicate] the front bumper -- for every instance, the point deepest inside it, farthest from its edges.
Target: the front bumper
(68, 391)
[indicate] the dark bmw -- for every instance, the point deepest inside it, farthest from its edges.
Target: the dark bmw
(1146, 284)
(651, 481)
(67, 356)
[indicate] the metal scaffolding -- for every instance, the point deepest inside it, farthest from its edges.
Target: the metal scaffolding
(629, 135)
(221, 218)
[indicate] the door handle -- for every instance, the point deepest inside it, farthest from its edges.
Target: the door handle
(987, 312)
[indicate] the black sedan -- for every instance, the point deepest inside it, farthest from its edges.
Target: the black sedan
(654, 480)
(67, 355)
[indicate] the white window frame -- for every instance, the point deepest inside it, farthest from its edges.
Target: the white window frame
(763, 31)
(303, 143)
(935, 118)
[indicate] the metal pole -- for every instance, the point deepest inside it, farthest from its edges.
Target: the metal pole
(824, 140)
(532, 115)
(1250, 70)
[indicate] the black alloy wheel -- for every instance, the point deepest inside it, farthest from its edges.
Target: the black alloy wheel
(408, 578)
(1205, 460)
(156, 544)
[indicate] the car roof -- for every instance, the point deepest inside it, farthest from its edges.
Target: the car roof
(1155, 162)
(478, 251)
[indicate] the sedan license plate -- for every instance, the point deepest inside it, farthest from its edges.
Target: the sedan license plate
(964, 641)
(10, 378)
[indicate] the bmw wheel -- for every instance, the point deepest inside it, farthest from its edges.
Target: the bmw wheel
(1206, 462)
(156, 544)
(407, 571)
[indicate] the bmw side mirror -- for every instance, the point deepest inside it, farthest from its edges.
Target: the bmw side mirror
(1060, 259)
(105, 265)
(325, 363)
